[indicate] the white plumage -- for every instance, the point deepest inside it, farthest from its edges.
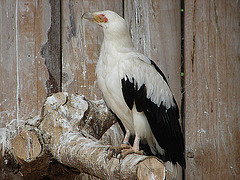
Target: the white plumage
(136, 91)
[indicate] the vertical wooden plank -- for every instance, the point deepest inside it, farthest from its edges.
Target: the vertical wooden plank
(25, 57)
(155, 27)
(24, 26)
(231, 131)
(42, 27)
(212, 90)
(81, 42)
(8, 73)
(194, 42)
(31, 34)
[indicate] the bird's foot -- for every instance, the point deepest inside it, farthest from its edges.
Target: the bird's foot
(122, 151)
(115, 150)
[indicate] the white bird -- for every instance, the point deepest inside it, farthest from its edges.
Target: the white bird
(136, 90)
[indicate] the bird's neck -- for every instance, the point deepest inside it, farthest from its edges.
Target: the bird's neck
(120, 42)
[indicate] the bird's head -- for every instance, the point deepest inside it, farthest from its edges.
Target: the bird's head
(114, 27)
(108, 20)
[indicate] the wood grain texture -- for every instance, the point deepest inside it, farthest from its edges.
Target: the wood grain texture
(25, 57)
(26, 145)
(8, 73)
(212, 39)
(23, 73)
(81, 43)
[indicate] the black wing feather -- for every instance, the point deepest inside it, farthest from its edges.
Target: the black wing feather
(128, 92)
(163, 122)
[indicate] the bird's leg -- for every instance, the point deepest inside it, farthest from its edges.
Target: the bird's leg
(125, 147)
(136, 143)
(117, 150)
(126, 139)
(134, 149)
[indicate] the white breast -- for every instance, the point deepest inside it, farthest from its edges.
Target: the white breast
(109, 83)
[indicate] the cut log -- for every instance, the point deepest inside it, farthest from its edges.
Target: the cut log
(69, 133)
(81, 150)
(26, 145)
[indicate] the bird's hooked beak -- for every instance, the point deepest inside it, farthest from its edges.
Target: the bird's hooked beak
(88, 16)
(98, 18)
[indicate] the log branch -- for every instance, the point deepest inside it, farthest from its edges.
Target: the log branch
(68, 132)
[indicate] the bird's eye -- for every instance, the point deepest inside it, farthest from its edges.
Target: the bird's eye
(102, 18)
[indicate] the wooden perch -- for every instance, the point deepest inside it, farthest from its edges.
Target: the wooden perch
(69, 130)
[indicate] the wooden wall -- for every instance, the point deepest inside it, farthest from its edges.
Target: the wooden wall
(46, 47)
(23, 73)
(212, 89)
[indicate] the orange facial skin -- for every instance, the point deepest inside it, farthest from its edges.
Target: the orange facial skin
(100, 18)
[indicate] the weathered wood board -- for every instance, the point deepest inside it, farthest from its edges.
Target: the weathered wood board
(8, 73)
(212, 85)
(24, 26)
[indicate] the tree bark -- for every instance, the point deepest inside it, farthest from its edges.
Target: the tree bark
(68, 134)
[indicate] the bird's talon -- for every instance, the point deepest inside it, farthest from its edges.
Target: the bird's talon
(119, 159)
(119, 152)
(107, 158)
(107, 149)
(122, 151)
(113, 152)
